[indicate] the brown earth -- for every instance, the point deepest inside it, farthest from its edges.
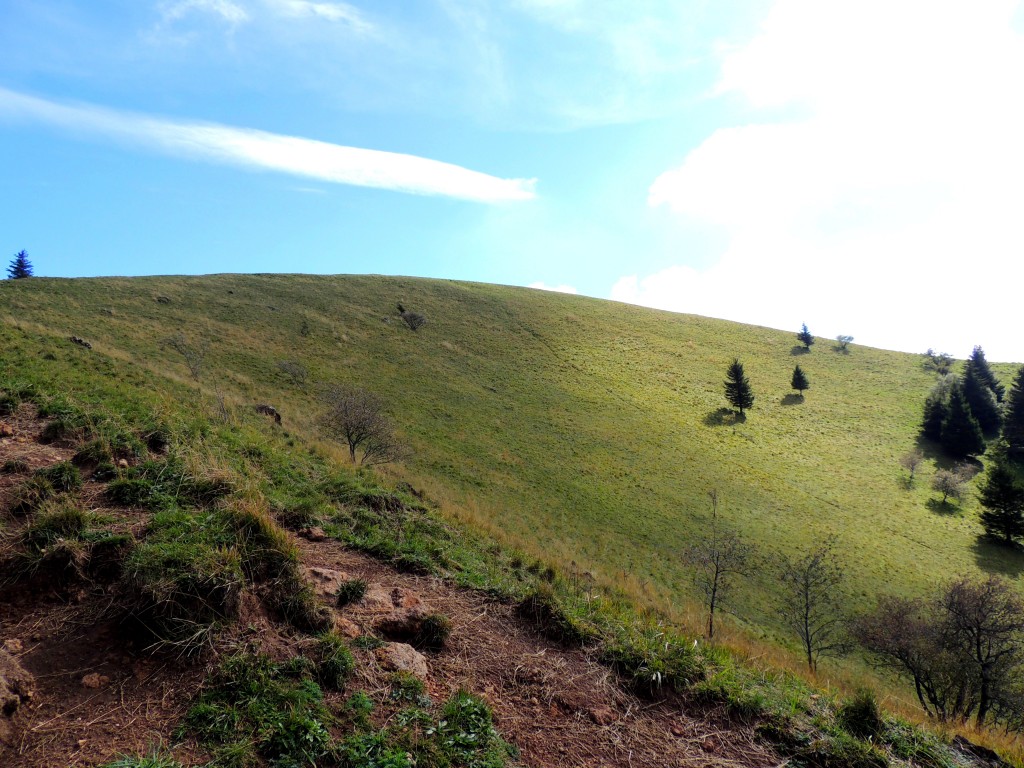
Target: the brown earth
(97, 695)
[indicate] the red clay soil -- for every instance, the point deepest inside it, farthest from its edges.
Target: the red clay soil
(97, 696)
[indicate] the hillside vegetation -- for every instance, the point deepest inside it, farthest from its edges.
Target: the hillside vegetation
(574, 429)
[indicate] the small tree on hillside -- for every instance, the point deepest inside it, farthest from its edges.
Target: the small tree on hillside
(910, 461)
(811, 602)
(799, 381)
(982, 399)
(737, 388)
(979, 365)
(805, 337)
(356, 418)
(843, 341)
(19, 267)
(950, 482)
(1003, 499)
(719, 558)
(940, 362)
(1013, 423)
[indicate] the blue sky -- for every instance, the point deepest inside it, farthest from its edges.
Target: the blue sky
(857, 166)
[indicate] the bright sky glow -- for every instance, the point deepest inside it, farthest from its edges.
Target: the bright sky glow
(857, 166)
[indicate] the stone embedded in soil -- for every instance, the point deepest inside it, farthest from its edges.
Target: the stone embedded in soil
(603, 715)
(95, 680)
(403, 598)
(401, 624)
(315, 533)
(346, 628)
(325, 580)
(678, 730)
(15, 690)
(6, 431)
(401, 657)
(377, 599)
(13, 645)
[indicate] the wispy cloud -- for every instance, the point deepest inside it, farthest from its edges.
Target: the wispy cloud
(225, 9)
(249, 148)
(338, 12)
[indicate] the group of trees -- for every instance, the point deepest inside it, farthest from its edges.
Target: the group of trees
(740, 394)
(961, 412)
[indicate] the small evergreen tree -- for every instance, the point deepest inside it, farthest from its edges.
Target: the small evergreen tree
(979, 364)
(961, 433)
(936, 408)
(1003, 499)
(981, 398)
(737, 388)
(799, 381)
(1013, 424)
(805, 337)
(19, 267)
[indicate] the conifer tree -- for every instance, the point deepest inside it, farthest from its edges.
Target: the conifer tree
(737, 388)
(799, 381)
(936, 408)
(979, 364)
(981, 397)
(961, 433)
(1013, 424)
(19, 267)
(1003, 499)
(805, 337)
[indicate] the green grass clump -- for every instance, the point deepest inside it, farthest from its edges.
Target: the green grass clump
(405, 686)
(9, 403)
(295, 602)
(350, 591)
(860, 715)
(96, 451)
(554, 619)
(185, 577)
(253, 707)
(433, 632)
(333, 660)
(654, 659)
(63, 476)
(29, 495)
(157, 759)
(14, 467)
(466, 733)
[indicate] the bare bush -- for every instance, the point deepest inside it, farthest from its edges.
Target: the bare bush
(964, 649)
(193, 353)
(811, 603)
(356, 418)
(296, 372)
(719, 557)
(414, 320)
(950, 482)
(911, 460)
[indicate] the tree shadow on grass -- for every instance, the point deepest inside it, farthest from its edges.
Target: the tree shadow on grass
(792, 399)
(940, 507)
(840, 349)
(996, 556)
(724, 417)
(799, 350)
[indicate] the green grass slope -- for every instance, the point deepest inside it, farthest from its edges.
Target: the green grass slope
(580, 429)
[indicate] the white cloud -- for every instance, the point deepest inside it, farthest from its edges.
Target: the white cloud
(250, 148)
(889, 209)
(225, 9)
(542, 286)
(336, 12)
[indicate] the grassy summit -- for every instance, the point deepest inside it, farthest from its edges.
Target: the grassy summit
(572, 428)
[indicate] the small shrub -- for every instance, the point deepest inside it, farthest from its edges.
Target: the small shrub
(351, 591)
(860, 716)
(358, 708)
(433, 632)
(93, 452)
(8, 403)
(542, 609)
(104, 472)
(414, 320)
(334, 662)
(405, 686)
(466, 733)
(14, 467)
(63, 476)
(28, 496)
(652, 660)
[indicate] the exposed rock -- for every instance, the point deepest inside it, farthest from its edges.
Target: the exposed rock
(122, 463)
(603, 715)
(6, 430)
(377, 599)
(401, 624)
(316, 533)
(401, 657)
(346, 628)
(982, 755)
(13, 645)
(80, 342)
(403, 598)
(15, 690)
(325, 580)
(678, 730)
(95, 680)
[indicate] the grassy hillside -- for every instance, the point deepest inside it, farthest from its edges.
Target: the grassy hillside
(575, 429)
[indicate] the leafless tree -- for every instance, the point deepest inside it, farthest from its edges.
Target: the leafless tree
(950, 482)
(356, 417)
(843, 341)
(811, 604)
(964, 649)
(911, 460)
(192, 352)
(719, 558)
(296, 372)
